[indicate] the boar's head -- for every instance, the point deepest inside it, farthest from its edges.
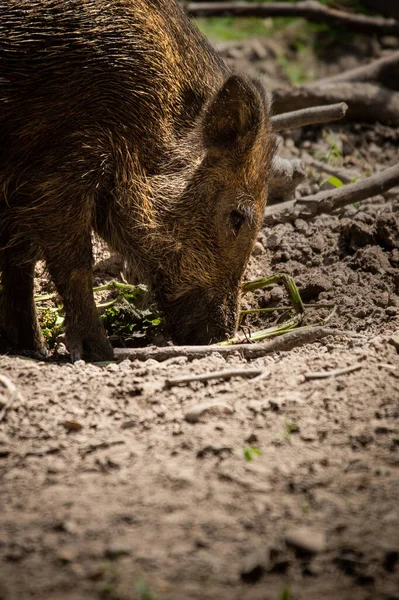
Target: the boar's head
(215, 219)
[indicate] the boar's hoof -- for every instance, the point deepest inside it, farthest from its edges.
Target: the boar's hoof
(90, 349)
(36, 349)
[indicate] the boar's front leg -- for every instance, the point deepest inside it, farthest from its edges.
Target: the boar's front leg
(70, 267)
(19, 327)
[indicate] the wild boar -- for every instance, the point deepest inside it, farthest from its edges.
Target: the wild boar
(117, 116)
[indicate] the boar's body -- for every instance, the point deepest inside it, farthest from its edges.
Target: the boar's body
(117, 116)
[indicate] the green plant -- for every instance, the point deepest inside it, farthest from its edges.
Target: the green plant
(286, 594)
(144, 592)
(335, 181)
(124, 316)
(251, 452)
(51, 322)
(334, 153)
(290, 427)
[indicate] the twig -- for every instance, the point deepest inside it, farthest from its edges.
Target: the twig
(366, 101)
(342, 174)
(285, 342)
(309, 116)
(215, 375)
(333, 373)
(391, 368)
(13, 395)
(330, 200)
(311, 10)
(384, 70)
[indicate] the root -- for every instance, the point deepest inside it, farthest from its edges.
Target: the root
(384, 71)
(331, 200)
(366, 101)
(308, 9)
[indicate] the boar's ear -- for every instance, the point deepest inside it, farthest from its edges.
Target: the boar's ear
(234, 115)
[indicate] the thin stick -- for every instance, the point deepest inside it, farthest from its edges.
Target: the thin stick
(311, 10)
(330, 200)
(13, 391)
(389, 367)
(366, 101)
(287, 341)
(252, 311)
(342, 174)
(309, 116)
(334, 373)
(215, 375)
(384, 70)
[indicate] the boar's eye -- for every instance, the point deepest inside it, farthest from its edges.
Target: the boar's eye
(237, 220)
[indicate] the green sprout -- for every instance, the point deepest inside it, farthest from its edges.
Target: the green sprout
(334, 153)
(286, 594)
(251, 452)
(144, 591)
(290, 427)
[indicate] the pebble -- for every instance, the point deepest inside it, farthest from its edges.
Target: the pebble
(258, 249)
(151, 362)
(79, 363)
(72, 425)
(306, 539)
(194, 414)
(66, 556)
(276, 294)
(116, 550)
(272, 242)
(257, 406)
(253, 569)
(301, 226)
(112, 367)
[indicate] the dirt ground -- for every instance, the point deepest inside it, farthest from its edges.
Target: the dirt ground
(115, 484)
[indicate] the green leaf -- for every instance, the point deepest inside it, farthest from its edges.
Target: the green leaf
(286, 594)
(250, 452)
(335, 181)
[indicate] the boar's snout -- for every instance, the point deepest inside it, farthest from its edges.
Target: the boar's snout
(195, 319)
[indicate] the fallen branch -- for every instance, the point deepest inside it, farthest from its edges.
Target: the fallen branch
(309, 9)
(330, 200)
(285, 342)
(342, 174)
(13, 395)
(215, 375)
(333, 373)
(366, 101)
(309, 116)
(384, 71)
(287, 174)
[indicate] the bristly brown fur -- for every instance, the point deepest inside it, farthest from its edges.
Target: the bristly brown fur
(118, 116)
